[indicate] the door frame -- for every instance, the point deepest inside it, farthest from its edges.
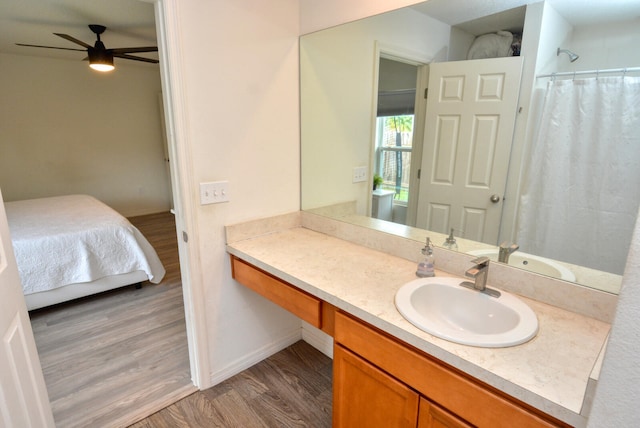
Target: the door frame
(175, 112)
(418, 59)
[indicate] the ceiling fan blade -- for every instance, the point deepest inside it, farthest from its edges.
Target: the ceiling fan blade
(51, 47)
(135, 58)
(73, 39)
(131, 50)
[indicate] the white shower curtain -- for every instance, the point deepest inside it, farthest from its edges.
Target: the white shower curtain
(582, 190)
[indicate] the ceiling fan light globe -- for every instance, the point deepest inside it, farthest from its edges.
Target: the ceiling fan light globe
(102, 67)
(100, 60)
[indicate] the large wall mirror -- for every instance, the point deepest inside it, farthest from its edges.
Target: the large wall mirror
(553, 174)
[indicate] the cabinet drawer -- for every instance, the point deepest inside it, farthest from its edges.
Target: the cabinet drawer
(296, 301)
(467, 398)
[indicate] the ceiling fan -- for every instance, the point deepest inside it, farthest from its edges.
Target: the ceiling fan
(101, 58)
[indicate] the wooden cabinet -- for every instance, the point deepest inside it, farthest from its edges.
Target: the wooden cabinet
(433, 416)
(365, 396)
(380, 381)
(460, 400)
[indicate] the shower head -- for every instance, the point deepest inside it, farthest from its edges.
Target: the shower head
(572, 57)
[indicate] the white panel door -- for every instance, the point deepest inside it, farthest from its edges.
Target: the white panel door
(470, 118)
(23, 395)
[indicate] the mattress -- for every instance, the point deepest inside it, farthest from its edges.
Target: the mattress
(75, 239)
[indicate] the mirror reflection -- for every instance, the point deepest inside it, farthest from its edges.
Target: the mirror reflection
(522, 150)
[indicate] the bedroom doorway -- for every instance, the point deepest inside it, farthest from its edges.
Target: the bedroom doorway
(193, 356)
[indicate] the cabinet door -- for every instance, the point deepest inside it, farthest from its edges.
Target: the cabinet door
(432, 416)
(365, 396)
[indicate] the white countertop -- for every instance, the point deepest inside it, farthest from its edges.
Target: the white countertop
(550, 372)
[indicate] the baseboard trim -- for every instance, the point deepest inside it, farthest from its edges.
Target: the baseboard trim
(318, 339)
(255, 357)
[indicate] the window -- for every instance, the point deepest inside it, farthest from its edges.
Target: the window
(394, 136)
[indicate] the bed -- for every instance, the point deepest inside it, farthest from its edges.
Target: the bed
(73, 246)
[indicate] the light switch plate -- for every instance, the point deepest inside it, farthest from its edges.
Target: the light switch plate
(214, 192)
(359, 174)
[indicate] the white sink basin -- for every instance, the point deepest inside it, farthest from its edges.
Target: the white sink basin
(531, 263)
(442, 307)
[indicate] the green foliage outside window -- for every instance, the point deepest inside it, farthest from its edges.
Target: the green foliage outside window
(394, 139)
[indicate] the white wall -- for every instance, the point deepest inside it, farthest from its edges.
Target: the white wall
(460, 43)
(554, 32)
(67, 129)
(347, 74)
(602, 46)
(239, 78)
(320, 14)
(616, 399)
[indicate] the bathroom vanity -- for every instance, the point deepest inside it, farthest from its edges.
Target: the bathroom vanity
(388, 372)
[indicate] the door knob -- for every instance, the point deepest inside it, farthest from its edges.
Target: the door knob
(495, 199)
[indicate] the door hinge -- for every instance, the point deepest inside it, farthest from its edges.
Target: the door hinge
(419, 172)
(426, 93)
(185, 237)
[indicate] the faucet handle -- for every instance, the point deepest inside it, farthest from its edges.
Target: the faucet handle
(481, 261)
(506, 245)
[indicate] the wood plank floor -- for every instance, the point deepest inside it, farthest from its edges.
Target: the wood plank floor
(290, 389)
(114, 358)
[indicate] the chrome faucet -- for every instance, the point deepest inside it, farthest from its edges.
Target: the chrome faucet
(479, 273)
(505, 250)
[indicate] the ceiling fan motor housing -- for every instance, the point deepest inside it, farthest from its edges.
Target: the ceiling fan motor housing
(100, 55)
(97, 29)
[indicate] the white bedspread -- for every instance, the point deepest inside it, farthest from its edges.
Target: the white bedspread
(74, 239)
